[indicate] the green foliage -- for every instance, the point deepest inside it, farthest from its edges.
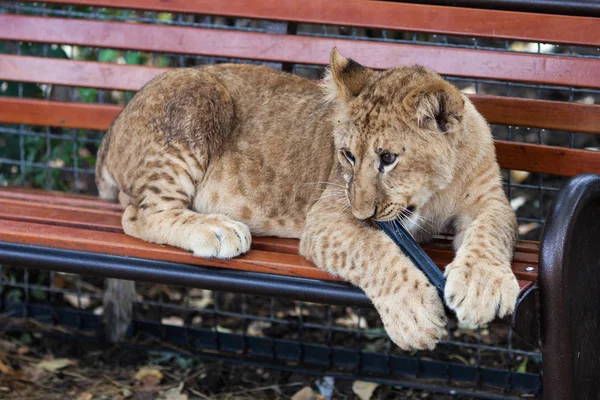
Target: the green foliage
(51, 154)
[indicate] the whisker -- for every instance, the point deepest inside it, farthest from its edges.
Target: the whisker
(326, 183)
(401, 220)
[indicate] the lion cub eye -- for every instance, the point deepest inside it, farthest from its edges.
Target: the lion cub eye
(349, 156)
(387, 159)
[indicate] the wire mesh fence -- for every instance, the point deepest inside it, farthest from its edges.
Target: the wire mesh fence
(308, 337)
(304, 337)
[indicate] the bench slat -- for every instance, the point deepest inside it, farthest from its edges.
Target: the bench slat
(81, 203)
(109, 221)
(384, 15)
(520, 156)
(120, 244)
(531, 113)
(123, 245)
(556, 70)
(551, 160)
(88, 74)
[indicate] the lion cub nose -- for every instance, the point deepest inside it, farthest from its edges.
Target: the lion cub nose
(364, 213)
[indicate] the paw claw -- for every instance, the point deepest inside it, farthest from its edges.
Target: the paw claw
(226, 239)
(480, 302)
(413, 324)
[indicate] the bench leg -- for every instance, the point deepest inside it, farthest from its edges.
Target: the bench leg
(569, 280)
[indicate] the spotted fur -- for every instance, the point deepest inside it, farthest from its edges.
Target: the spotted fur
(202, 157)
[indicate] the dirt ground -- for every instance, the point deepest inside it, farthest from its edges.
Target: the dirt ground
(53, 369)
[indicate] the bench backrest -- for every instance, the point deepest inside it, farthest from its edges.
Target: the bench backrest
(538, 97)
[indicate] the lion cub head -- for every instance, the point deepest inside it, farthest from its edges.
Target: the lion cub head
(397, 134)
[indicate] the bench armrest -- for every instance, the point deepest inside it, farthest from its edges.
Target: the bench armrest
(569, 291)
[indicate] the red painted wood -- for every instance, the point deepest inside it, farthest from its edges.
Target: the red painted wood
(109, 221)
(557, 70)
(557, 115)
(76, 73)
(547, 159)
(385, 15)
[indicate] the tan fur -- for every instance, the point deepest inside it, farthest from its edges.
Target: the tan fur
(202, 157)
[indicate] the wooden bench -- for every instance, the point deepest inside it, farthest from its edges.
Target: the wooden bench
(81, 234)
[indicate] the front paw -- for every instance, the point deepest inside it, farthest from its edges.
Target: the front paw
(414, 317)
(480, 293)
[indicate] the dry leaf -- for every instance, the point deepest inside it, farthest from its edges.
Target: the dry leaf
(59, 282)
(30, 374)
(306, 393)
(85, 396)
(175, 321)
(352, 320)
(256, 328)
(326, 386)
(517, 202)
(23, 350)
(82, 301)
(55, 365)
(200, 298)
(5, 369)
(364, 390)
(174, 394)
(526, 228)
(149, 376)
(518, 176)
(7, 346)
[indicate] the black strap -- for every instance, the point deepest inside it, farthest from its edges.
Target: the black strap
(416, 254)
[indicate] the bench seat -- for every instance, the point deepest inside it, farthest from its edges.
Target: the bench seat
(85, 223)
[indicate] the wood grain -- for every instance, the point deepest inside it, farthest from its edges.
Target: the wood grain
(547, 159)
(385, 15)
(556, 70)
(97, 222)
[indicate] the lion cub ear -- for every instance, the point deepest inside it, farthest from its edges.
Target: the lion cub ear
(437, 105)
(345, 78)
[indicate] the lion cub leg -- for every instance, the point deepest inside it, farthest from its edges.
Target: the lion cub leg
(480, 283)
(409, 306)
(160, 213)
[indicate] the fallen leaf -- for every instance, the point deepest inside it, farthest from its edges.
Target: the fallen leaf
(81, 301)
(518, 176)
(325, 387)
(30, 374)
(23, 350)
(59, 282)
(85, 396)
(459, 358)
(523, 366)
(174, 394)
(517, 202)
(353, 321)
(175, 321)
(255, 328)
(7, 346)
(5, 369)
(200, 298)
(364, 390)
(149, 376)
(526, 228)
(470, 90)
(306, 393)
(56, 364)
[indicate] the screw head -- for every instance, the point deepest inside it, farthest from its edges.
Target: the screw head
(530, 269)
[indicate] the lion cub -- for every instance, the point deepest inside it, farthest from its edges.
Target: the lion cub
(201, 158)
